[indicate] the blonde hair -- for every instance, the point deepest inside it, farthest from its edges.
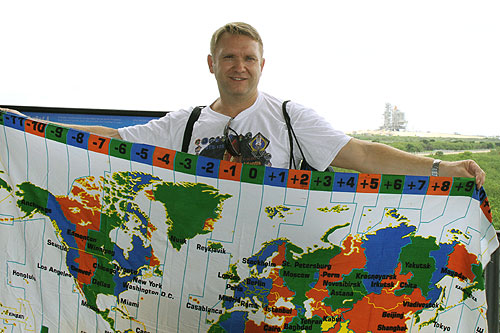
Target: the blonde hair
(236, 28)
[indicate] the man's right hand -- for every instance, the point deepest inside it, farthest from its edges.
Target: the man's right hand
(13, 111)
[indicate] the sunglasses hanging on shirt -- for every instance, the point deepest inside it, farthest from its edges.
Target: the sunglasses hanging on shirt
(232, 140)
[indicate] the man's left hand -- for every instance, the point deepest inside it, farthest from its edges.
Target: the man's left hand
(464, 168)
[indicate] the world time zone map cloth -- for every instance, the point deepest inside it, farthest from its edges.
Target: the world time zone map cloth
(103, 235)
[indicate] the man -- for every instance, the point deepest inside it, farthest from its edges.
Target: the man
(248, 126)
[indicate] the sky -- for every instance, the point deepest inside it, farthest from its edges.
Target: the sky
(437, 61)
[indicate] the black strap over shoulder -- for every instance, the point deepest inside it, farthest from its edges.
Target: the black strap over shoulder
(188, 132)
(303, 165)
(290, 140)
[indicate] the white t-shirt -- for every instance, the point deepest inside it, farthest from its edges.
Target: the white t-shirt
(262, 129)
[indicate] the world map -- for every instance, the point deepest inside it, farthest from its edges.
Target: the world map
(103, 235)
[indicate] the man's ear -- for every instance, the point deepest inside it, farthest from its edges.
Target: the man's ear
(262, 65)
(210, 62)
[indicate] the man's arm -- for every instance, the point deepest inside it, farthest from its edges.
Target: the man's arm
(370, 157)
(99, 130)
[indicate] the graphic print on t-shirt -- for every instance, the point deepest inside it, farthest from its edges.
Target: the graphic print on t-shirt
(252, 148)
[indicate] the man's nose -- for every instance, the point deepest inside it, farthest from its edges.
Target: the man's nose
(239, 65)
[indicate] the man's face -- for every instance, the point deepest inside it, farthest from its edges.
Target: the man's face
(237, 64)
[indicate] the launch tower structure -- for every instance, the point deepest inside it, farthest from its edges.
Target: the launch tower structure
(394, 119)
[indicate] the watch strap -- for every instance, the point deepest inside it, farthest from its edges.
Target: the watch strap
(435, 168)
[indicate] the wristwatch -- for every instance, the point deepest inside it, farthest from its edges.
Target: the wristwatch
(435, 168)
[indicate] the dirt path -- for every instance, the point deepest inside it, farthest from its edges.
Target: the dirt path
(451, 152)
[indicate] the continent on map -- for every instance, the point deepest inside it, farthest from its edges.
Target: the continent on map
(391, 273)
(107, 236)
